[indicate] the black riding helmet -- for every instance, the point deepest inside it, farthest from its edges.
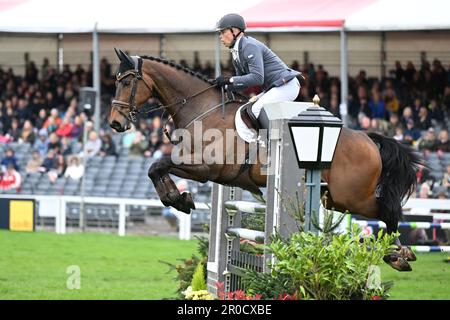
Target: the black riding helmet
(229, 21)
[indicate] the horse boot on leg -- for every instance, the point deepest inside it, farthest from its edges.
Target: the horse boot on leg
(182, 202)
(396, 259)
(405, 251)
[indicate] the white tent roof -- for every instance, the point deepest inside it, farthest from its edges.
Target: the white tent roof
(176, 16)
(116, 16)
(398, 15)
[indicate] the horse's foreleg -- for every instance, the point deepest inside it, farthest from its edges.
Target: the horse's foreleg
(166, 188)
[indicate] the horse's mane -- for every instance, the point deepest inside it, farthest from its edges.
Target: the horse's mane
(180, 67)
(189, 71)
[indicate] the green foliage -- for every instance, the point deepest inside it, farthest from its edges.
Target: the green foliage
(326, 266)
(269, 286)
(199, 278)
(185, 270)
(330, 268)
(254, 221)
(251, 247)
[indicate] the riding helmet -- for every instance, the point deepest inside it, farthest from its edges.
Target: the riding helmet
(231, 20)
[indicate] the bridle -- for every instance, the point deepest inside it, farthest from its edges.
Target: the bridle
(137, 75)
(131, 106)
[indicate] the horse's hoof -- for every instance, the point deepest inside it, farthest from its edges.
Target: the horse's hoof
(187, 199)
(397, 262)
(407, 254)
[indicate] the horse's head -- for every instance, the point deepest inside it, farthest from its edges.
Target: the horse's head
(132, 91)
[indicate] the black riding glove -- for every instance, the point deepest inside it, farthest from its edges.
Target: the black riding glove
(222, 81)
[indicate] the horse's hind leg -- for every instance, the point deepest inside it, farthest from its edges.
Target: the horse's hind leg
(399, 258)
(375, 208)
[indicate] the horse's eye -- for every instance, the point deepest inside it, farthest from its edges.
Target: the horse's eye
(126, 83)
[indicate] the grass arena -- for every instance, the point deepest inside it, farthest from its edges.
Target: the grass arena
(35, 267)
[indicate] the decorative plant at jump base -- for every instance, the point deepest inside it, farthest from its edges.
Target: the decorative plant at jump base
(188, 267)
(328, 266)
(197, 289)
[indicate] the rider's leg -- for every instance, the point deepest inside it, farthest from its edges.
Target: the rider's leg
(286, 92)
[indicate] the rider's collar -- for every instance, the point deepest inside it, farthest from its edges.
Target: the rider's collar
(236, 44)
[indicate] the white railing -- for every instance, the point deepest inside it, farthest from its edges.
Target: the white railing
(55, 207)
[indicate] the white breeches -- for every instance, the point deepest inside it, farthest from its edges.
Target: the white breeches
(286, 92)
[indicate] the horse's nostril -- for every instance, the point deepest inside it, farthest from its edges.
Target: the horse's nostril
(116, 125)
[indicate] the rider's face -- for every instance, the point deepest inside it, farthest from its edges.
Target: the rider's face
(226, 37)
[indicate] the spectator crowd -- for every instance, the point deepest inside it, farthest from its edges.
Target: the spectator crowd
(41, 108)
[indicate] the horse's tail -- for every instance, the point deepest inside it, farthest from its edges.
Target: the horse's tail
(398, 177)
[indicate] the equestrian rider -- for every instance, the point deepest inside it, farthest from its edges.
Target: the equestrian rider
(255, 65)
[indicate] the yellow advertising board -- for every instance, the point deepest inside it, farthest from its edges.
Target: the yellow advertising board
(21, 215)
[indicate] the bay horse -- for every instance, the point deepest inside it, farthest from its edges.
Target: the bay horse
(370, 175)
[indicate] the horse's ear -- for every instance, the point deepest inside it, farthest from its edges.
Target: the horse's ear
(118, 53)
(127, 59)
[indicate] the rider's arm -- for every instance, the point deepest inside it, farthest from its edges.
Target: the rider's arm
(252, 56)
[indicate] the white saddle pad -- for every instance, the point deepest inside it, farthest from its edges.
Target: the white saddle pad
(246, 134)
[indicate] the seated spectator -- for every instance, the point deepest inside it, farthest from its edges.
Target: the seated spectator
(108, 147)
(144, 128)
(391, 101)
(446, 178)
(15, 131)
(423, 174)
(66, 146)
(42, 117)
(411, 134)
(376, 125)
(27, 135)
(334, 106)
(436, 112)
(65, 128)
(153, 145)
(11, 179)
(425, 190)
(53, 121)
(128, 137)
(139, 145)
(9, 158)
(34, 163)
(93, 145)
(59, 169)
(51, 125)
(77, 128)
(427, 143)
(75, 169)
(377, 106)
(54, 143)
(424, 121)
(42, 142)
(443, 143)
(50, 162)
(398, 134)
(406, 116)
(391, 125)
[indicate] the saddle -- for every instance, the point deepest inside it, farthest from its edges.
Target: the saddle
(248, 117)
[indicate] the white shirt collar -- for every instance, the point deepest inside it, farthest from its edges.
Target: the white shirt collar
(235, 49)
(236, 44)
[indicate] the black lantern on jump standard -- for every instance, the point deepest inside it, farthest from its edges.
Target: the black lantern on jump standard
(315, 134)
